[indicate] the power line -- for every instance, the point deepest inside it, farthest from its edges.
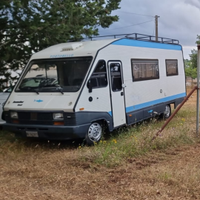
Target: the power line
(136, 13)
(133, 25)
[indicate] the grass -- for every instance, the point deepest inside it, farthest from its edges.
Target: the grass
(126, 164)
(119, 146)
(137, 140)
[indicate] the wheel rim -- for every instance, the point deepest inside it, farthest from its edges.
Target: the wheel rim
(167, 111)
(95, 132)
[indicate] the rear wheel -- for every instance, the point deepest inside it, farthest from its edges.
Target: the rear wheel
(94, 133)
(167, 112)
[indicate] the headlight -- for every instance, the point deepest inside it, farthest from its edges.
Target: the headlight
(14, 115)
(58, 116)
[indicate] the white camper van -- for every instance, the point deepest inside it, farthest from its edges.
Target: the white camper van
(70, 90)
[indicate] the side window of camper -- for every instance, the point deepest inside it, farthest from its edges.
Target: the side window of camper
(99, 76)
(171, 67)
(144, 69)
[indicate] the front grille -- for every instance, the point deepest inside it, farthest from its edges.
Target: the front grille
(35, 116)
(24, 115)
(42, 118)
(45, 116)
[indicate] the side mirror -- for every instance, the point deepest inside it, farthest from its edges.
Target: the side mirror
(89, 85)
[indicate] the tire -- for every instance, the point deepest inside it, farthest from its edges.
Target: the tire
(94, 133)
(167, 112)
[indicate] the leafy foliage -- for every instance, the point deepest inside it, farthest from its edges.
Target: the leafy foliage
(193, 55)
(191, 65)
(27, 26)
(191, 72)
(193, 58)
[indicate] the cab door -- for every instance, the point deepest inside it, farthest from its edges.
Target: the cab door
(117, 93)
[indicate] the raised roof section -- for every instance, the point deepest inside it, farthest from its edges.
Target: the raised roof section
(138, 36)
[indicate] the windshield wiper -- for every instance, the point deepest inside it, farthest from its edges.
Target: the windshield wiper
(36, 90)
(58, 87)
(29, 89)
(49, 85)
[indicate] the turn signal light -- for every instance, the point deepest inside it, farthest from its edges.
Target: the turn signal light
(58, 123)
(15, 121)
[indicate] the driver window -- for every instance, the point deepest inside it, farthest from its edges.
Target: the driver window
(99, 76)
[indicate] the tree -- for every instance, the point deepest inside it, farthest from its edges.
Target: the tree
(28, 26)
(191, 65)
(193, 55)
(193, 59)
(191, 72)
(3, 24)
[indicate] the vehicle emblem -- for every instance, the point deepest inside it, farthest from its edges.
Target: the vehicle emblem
(38, 101)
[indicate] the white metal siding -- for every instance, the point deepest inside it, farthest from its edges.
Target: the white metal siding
(139, 92)
(101, 96)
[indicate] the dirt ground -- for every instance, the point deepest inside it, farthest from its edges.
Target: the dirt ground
(173, 174)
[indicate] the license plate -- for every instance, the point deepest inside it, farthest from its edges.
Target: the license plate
(31, 133)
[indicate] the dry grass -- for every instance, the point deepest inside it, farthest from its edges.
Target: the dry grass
(124, 166)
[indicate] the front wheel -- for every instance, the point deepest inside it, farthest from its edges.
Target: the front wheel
(167, 112)
(94, 133)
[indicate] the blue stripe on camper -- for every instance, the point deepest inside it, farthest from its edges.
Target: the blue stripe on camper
(151, 103)
(110, 113)
(137, 43)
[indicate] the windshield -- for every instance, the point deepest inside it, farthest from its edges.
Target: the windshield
(64, 75)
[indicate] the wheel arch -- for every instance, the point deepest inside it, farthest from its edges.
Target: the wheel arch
(107, 125)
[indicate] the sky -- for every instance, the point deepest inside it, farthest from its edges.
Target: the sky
(178, 19)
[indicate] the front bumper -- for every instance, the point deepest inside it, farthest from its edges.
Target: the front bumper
(48, 132)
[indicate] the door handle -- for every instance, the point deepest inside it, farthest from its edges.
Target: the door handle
(122, 94)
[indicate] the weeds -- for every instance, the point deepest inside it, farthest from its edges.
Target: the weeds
(119, 146)
(165, 168)
(137, 140)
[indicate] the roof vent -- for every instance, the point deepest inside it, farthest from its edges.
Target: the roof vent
(72, 46)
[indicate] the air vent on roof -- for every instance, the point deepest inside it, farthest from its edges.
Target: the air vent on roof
(72, 46)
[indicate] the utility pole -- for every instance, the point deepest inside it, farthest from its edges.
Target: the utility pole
(156, 26)
(198, 79)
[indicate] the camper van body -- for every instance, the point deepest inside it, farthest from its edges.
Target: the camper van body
(114, 82)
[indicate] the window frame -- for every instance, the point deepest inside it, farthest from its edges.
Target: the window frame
(174, 74)
(116, 75)
(144, 78)
(51, 60)
(96, 75)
